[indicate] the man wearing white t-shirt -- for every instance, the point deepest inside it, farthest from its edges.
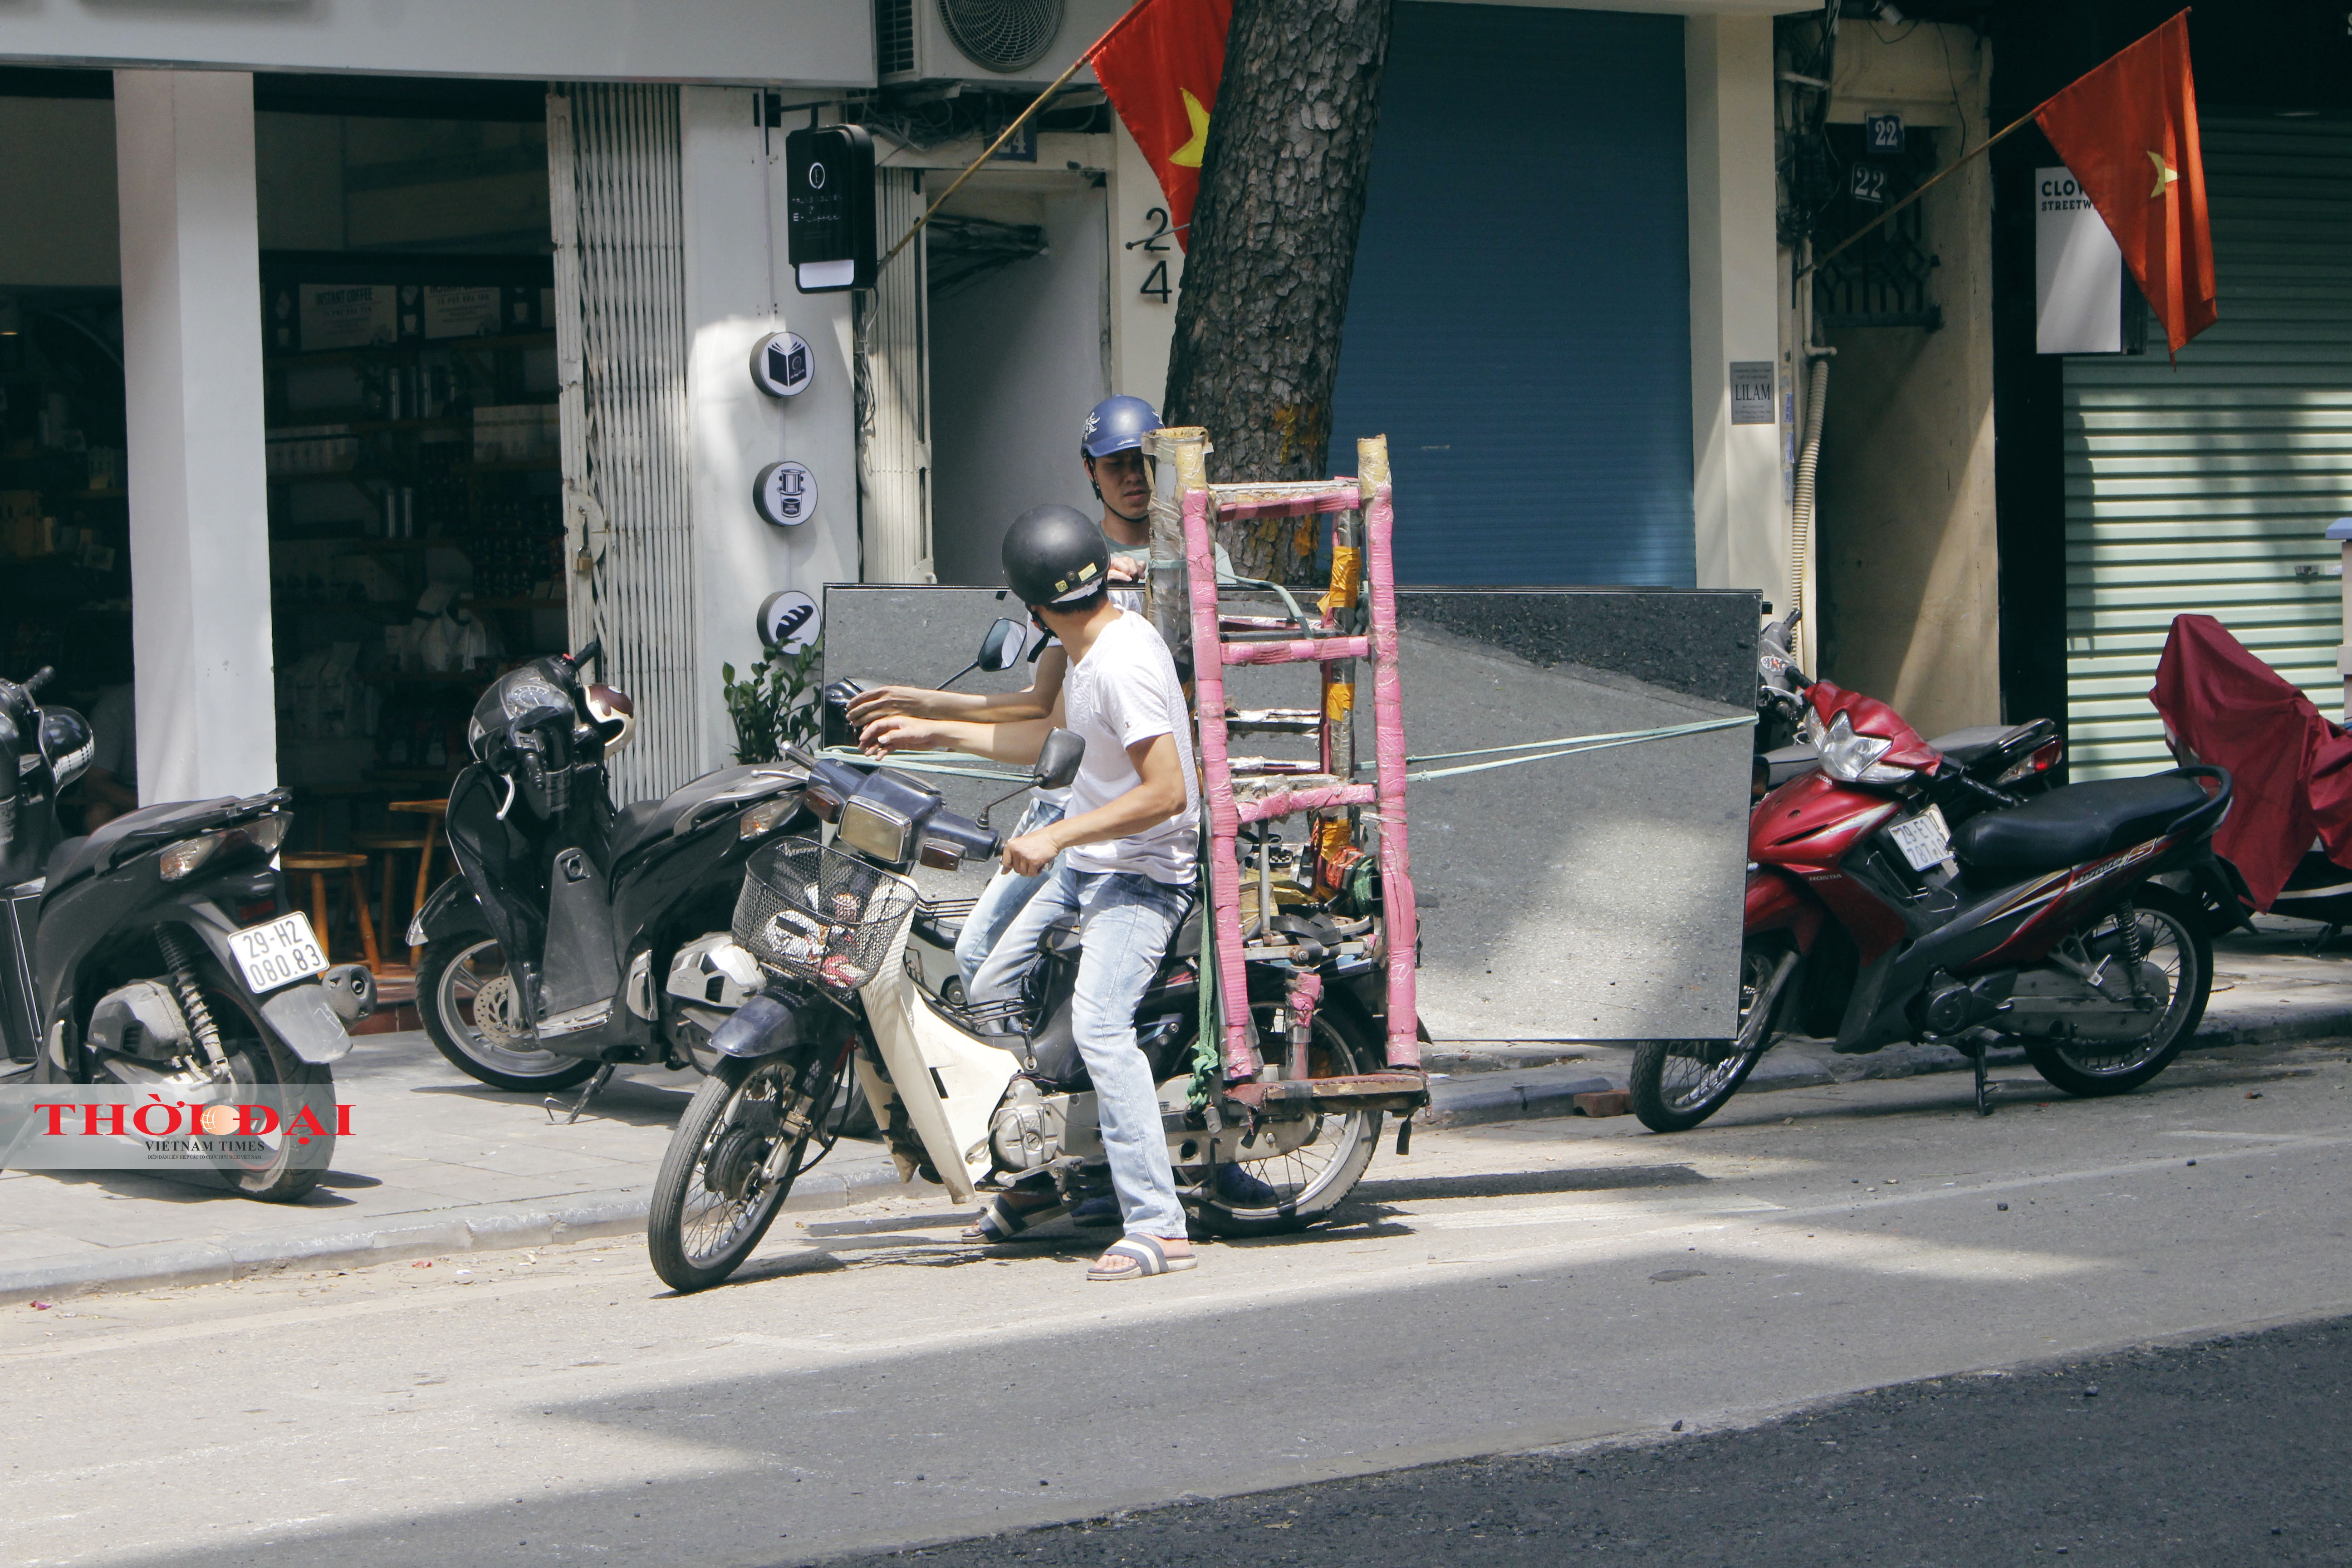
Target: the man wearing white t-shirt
(1126, 850)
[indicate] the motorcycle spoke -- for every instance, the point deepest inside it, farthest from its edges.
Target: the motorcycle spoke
(2161, 952)
(713, 1221)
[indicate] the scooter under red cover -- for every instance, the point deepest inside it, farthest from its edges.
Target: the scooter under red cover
(2290, 769)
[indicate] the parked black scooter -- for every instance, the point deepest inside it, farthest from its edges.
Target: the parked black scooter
(161, 952)
(577, 937)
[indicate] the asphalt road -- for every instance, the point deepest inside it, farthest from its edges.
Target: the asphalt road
(869, 1384)
(2226, 1452)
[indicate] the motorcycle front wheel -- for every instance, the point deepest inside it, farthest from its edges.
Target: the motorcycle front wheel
(460, 988)
(1292, 1191)
(2172, 941)
(713, 1199)
(1678, 1084)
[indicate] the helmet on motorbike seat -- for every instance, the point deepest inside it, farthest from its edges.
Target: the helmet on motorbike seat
(1117, 424)
(613, 713)
(1055, 555)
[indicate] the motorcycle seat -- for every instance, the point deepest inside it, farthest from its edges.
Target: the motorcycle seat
(2079, 822)
(1061, 937)
(1964, 747)
(642, 823)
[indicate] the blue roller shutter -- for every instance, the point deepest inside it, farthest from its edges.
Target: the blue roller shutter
(1519, 321)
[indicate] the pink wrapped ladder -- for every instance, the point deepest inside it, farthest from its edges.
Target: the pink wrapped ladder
(1186, 512)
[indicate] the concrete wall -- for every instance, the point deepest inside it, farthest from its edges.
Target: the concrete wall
(816, 43)
(1738, 512)
(59, 223)
(1142, 326)
(1017, 359)
(1908, 560)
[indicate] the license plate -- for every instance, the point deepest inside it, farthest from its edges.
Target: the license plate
(1925, 840)
(277, 953)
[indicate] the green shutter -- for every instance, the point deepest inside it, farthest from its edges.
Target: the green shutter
(2203, 489)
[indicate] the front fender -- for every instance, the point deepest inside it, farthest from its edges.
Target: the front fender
(451, 912)
(307, 1022)
(1777, 902)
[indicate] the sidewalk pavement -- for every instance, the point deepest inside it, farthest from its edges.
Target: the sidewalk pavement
(440, 1164)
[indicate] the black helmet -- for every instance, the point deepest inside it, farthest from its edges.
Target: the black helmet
(1055, 555)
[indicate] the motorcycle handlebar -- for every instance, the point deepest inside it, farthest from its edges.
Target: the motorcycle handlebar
(587, 656)
(38, 678)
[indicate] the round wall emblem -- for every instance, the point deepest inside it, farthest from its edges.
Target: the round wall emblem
(785, 494)
(788, 619)
(781, 365)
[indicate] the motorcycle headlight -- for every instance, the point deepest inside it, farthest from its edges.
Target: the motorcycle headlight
(876, 830)
(1848, 756)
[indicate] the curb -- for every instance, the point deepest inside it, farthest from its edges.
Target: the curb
(531, 1222)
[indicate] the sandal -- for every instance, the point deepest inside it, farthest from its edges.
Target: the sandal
(1149, 1257)
(1003, 1220)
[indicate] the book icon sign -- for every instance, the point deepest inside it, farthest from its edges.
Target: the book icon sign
(785, 494)
(781, 365)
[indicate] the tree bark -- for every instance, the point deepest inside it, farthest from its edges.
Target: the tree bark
(1273, 248)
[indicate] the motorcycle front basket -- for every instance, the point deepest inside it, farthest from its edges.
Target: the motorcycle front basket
(822, 916)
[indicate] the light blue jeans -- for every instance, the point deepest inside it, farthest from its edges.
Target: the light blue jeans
(1002, 900)
(1125, 923)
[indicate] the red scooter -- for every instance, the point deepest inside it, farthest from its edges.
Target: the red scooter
(1871, 920)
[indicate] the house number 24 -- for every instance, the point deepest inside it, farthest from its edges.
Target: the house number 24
(1155, 282)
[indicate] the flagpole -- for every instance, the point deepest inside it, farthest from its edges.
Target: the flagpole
(1084, 58)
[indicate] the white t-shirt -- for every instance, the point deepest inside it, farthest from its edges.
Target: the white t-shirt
(1126, 599)
(1123, 691)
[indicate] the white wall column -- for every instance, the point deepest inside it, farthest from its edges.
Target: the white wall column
(739, 289)
(1741, 520)
(199, 494)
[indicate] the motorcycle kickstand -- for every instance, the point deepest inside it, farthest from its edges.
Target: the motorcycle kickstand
(1984, 1090)
(603, 1076)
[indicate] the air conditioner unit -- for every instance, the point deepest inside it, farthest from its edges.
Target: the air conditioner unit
(1011, 44)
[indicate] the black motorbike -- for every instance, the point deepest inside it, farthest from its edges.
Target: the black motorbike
(577, 937)
(161, 952)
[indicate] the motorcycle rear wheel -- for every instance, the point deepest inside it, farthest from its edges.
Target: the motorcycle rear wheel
(1312, 1179)
(451, 976)
(710, 1205)
(2173, 931)
(1678, 1084)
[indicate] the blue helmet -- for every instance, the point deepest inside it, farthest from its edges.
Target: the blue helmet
(1117, 424)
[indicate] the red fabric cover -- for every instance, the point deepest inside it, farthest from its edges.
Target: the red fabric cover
(2291, 770)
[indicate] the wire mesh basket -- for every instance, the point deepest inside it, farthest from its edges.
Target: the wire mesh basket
(814, 912)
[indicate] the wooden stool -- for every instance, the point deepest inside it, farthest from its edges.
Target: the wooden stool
(392, 847)
(436, 813)
(318, 866)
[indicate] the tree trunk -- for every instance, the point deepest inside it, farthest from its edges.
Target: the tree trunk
(1273, 246)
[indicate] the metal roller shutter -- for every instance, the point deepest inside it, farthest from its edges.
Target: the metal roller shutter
(1519, 322)
(621, 345)
(2206, 489)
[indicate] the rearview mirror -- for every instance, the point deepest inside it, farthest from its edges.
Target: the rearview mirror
(1000, 648)
(1058, 759)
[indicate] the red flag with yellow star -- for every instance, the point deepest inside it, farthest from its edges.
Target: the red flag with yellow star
(2128, 133)
(1159, 66)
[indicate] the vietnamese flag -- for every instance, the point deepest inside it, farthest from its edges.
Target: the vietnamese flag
(1159, 66)
(2128, 133)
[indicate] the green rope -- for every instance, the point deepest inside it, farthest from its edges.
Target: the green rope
(1208, 1042)
(1591, 742)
